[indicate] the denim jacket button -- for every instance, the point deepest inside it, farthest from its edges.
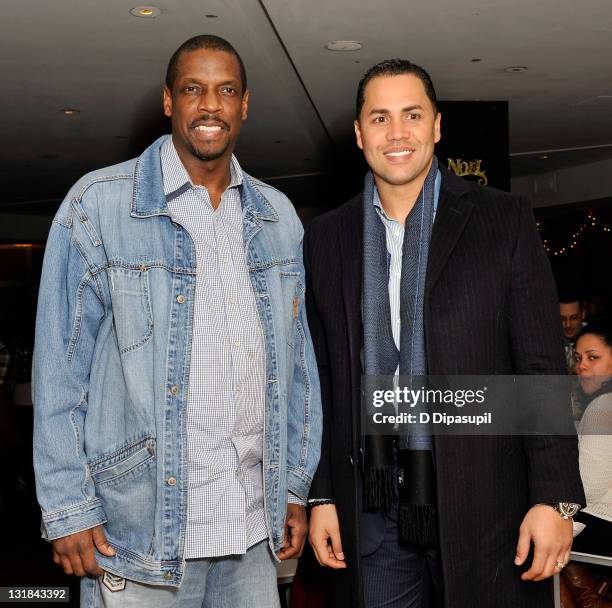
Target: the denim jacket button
(180, 299)
(171, 481)
(174, 390)
(142, 268)
(168, 575)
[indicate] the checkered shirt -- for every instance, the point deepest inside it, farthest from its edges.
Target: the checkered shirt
(225, 407)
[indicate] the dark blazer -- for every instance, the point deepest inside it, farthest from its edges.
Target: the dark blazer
(490, 308)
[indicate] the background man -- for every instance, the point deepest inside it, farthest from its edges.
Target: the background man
(572, 317)
(176, 385)
(470, 293)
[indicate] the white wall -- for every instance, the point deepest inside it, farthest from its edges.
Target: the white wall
(571, 185)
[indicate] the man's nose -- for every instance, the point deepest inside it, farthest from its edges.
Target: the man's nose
(398, 129)
(209, 101)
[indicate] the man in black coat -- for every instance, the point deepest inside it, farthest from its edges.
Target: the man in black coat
(488, 306)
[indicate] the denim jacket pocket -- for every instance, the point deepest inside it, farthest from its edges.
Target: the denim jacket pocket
(133, 319)
(129, 461)
(125, 483)
(293, 290)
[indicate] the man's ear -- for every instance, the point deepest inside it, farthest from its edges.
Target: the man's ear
(245, 104)
(167, 102)
(358, 134)
(438, 127)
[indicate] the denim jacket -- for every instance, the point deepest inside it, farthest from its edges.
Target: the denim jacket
(111, 365)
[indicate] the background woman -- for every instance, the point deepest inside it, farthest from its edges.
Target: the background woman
(594, 367)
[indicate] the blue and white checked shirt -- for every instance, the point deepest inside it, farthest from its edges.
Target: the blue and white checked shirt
(225, 411)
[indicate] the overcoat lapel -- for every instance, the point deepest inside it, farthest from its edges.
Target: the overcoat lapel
(454, 210)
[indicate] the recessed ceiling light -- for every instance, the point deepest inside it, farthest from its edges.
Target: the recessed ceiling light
(70, 111)
(515, 69)
(476, 59)
(211, 16)
(145, 11)
(344, 45)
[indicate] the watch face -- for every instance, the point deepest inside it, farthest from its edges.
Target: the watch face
(568, 509)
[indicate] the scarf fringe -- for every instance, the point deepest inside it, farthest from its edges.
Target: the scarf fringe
(418, 524)
(378, 489)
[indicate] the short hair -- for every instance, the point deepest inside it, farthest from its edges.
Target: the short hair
(600, 327)
(570, 298)
(210, 43)
(395, 67)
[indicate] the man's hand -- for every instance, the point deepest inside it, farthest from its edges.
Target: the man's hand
(552, 539)
(296, 528)
(325, 536)
(75, 552)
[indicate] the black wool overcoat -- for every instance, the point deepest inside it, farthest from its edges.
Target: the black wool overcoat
(490, 308)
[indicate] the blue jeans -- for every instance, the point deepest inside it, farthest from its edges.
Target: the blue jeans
(235, 581)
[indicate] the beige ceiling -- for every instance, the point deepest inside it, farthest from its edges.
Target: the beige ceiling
(96, 57)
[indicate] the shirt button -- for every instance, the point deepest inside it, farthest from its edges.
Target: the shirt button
(171, 481)
(168, 576)
(232, 300)
(174, 390)
(180, 299)
(237, 343)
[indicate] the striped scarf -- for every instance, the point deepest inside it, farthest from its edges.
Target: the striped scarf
(413, 462)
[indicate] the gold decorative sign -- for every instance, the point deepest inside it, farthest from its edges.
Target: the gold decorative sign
(472, 167)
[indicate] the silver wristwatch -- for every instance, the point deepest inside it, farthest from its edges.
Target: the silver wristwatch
(567, 510)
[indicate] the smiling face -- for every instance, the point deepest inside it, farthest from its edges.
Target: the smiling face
(206, 105)
(593, 362)
(398, 129)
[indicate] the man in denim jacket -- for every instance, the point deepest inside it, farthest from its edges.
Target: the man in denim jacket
(177, 407)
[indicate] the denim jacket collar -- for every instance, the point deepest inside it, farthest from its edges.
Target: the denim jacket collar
(148, 197)
(254, 203)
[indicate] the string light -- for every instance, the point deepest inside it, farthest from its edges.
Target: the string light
(590, 223)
